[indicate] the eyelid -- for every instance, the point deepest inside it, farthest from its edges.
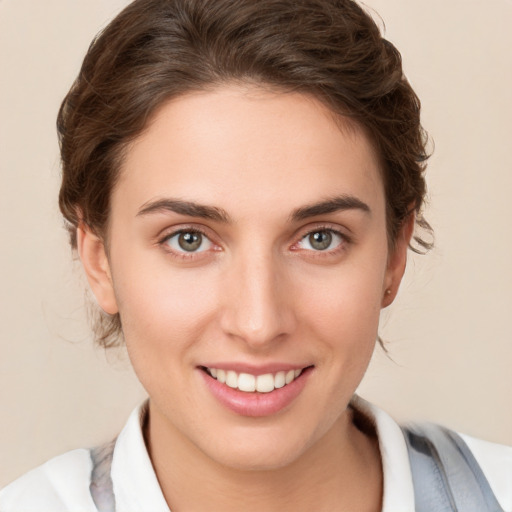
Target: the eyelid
(170, 231)
(175, 239)
(173, 231)
(335, 229)
(324, 226)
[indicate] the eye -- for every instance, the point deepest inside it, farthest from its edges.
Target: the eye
(188, 241)
(321, 240)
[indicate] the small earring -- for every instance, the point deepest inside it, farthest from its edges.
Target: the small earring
(388, 291)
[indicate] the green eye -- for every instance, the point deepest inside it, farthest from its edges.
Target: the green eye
(321, 240)
(188, 241)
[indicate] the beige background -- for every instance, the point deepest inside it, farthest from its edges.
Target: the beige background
(449, 331)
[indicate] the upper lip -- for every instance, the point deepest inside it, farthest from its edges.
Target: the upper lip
(253, 369)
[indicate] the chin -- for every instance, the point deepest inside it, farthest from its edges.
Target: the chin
(266, 450)
(257, 461)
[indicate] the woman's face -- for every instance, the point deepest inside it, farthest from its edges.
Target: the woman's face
(247, 240)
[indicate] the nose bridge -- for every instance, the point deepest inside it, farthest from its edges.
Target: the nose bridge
(257, 309)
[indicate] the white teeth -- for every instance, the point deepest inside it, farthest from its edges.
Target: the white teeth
(221, 376)
(280, 379)
(232, 379)
(247, 382)
(265, 383)
(250, 383)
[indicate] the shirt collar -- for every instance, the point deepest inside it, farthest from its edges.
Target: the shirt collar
(134, 480)
(398, 487)
(136, 486)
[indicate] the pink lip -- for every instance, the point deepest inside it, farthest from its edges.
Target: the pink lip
(256, 404)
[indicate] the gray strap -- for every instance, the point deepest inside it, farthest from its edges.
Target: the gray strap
(101, 488)
(446, 475)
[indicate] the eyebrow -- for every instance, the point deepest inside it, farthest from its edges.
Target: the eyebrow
(332, 205)
(191, 209)
(188, 208)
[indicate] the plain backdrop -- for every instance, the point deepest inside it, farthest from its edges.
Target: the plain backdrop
(448, 333)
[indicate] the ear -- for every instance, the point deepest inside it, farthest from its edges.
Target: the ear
(397, 261)
(91, 250)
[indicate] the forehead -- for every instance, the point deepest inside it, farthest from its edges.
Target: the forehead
(246, 148)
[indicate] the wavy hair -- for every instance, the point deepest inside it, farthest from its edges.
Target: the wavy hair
(155, 50)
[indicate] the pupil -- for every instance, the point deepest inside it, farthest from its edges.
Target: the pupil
(190, 241)
(320, 240)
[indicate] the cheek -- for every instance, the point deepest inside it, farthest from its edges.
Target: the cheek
(341, 311)
(348, 328)
(161, 308)
(345, 301)
(162, 320)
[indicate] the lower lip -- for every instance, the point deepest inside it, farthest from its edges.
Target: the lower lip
(256, 404)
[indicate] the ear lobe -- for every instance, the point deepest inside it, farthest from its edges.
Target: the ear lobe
(91, 250)
(397, 261)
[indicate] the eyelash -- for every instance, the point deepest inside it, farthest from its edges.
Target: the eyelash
(184, 255)
(345, 240)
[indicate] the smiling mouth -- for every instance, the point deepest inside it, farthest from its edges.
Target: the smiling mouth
(249, 383)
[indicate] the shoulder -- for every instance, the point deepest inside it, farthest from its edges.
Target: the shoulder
(495, 460)
(468, 465)
(61, 484)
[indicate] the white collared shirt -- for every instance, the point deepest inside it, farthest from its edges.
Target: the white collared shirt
(62, 484)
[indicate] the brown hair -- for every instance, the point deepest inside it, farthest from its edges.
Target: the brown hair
(158, 49)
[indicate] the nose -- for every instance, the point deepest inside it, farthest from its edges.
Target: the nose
(257, 304)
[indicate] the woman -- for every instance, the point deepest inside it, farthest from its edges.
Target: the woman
(242, 181)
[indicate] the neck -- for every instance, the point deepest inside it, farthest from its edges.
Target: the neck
(342, 471)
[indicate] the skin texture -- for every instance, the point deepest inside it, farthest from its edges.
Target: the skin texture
(256, 292)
